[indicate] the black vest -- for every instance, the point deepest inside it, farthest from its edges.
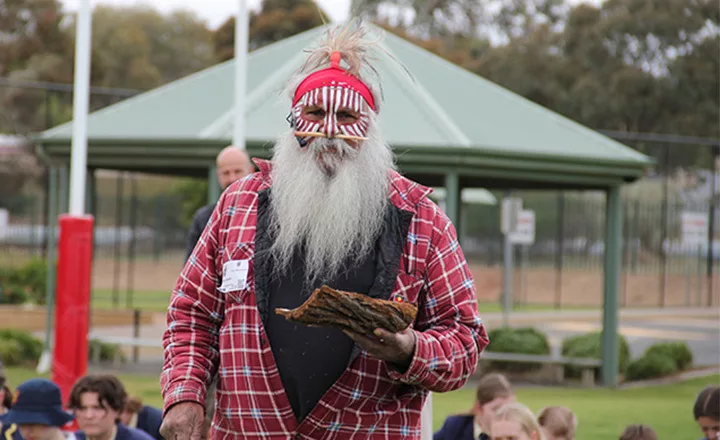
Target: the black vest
(311, 359)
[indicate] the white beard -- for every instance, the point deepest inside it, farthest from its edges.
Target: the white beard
(335, 211)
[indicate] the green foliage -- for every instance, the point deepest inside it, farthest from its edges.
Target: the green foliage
(517, 340)
(193, 195)
(27, 282)
(20, 347)
(650, 366)
(589, 345)
(11, 353)
(679, 352)
(105, 352)
(33, 276)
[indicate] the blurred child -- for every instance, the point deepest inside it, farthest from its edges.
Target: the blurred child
(638, 432)
(493, 391)
(514, 421)
(707, 412)
(557, 423)
(37, 414)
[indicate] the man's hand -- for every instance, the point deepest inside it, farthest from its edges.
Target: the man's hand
(397, 348)
(183, 421)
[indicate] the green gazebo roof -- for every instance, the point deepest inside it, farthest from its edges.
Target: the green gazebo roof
(446, 119)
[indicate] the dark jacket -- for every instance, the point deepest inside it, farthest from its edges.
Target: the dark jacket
(149, 420)
(10, 432)
(458, 428)
(199, 221)
(123, 433)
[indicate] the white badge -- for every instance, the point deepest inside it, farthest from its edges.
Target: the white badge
(234, 276)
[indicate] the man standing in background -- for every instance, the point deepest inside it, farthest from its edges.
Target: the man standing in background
(232, 164)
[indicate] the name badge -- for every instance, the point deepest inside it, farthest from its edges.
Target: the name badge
(234, 275)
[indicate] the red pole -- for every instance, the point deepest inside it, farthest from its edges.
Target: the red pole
(72, 306)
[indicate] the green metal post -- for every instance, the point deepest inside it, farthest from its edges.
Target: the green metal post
(613, 260)
(52, 214)
(213, 185)
(452, 198)
(90, 192)
(63, 204)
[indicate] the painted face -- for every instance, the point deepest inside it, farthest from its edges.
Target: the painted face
(332, 110)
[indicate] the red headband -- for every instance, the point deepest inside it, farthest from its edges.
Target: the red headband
(334, 76)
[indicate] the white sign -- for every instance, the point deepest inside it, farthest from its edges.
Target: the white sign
(509, 212)
(694, 228)
(525, 228)
(4, 216)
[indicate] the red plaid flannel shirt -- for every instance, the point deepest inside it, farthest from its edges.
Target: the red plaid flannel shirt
(211, 332)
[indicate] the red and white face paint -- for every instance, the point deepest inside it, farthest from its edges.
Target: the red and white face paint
(332, 110)
(332, 102)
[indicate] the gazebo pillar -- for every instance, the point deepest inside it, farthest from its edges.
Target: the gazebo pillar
(613, 262)
(452, 198)
(63, 197)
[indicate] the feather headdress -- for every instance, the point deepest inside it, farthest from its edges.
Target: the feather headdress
(351, 48)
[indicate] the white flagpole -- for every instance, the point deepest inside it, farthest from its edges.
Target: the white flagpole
(78, 152)
(241, 48)
(426, 419)
(81, 98)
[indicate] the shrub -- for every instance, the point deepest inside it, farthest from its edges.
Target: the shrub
(11, 353)
(12, 293)
(679, 352)
(521, 341)
(651, 365)
(33, 278)
(21, 283)
(30, 347)
(590, 346)
(107, 352)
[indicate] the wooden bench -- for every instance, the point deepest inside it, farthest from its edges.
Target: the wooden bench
(557, 362)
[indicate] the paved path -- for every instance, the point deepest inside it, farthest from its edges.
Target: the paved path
(699, 327)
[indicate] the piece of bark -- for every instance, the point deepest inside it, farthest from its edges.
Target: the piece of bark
(351, 311)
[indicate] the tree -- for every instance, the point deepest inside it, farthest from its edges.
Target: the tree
(275, 21)
(29, 27)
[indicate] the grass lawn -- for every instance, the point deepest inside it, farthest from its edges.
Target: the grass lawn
(602, 414)
(158, 301)
(147, 301)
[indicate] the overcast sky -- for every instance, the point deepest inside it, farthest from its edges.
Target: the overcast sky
(215, 12)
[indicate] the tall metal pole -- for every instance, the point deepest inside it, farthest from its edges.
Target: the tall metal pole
(241, 48)
(711, 226)
(81, 102)
(46, 358)
(72, 306)
(665, 207)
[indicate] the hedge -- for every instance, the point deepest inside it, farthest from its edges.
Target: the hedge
(517, 340)
(589, 345)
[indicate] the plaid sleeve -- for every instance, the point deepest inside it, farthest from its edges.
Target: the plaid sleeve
(193, 321)
(450, 333)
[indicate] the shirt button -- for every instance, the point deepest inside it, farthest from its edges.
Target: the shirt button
(262, 344)
(297, 435)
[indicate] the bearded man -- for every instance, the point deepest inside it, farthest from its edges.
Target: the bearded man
(330, 209)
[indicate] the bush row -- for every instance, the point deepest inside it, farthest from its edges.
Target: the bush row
(20, 348)
(658, 360)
